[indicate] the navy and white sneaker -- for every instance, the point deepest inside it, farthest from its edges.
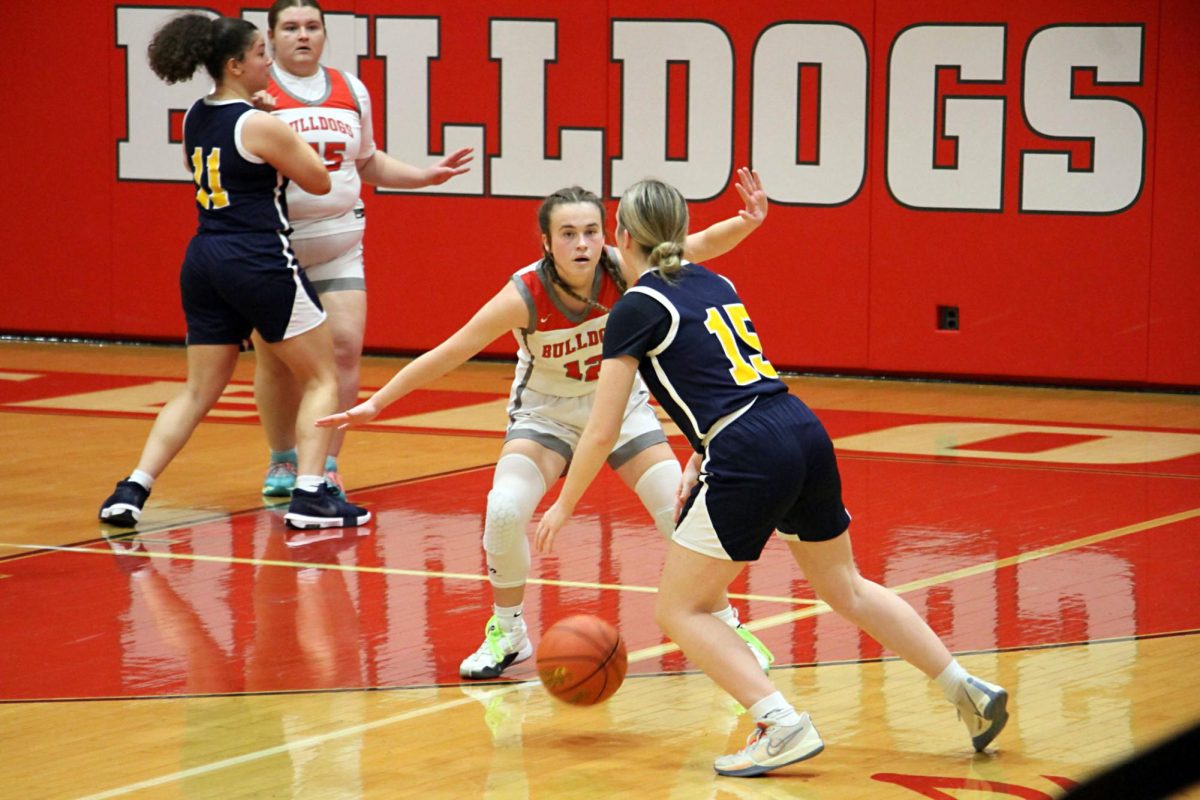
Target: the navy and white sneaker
(123, 508)
(983, 707)
(321, 508)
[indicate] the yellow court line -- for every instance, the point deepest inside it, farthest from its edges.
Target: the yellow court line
(413, 573)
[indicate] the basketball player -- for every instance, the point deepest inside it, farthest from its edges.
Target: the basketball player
(557, 309)
(239, 272)
(762, 462)
(331, 110)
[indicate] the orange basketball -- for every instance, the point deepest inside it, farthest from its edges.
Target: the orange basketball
(581, 660)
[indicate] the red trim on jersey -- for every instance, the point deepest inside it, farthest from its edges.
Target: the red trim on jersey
(341, 95)
(548, 315)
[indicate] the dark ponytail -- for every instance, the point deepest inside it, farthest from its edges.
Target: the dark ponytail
(189, 40)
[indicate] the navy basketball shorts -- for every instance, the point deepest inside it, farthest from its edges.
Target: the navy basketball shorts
(771, 469)
(232, 283)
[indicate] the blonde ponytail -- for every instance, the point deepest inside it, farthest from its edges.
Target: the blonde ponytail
(656, 217)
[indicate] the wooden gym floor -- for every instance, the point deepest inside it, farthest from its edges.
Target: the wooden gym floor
(1050, 536)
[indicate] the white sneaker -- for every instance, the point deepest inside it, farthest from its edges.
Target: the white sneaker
(499, 651)
(983, 707)
(771, 747)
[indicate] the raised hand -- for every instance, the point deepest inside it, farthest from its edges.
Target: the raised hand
(750, 187)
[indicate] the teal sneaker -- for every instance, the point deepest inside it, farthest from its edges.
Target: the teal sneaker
(333, 479)
(280, 479)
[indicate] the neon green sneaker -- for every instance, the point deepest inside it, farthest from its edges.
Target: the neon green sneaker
(761, 652)
(500, 650)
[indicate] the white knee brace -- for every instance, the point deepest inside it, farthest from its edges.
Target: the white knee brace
(656, 489)
(517, 486)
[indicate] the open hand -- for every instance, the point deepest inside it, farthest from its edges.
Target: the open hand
(750, 187)
(358, 415)
(552, 521)
(454, 164)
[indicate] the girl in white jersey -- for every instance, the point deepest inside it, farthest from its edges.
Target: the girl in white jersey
(330, 110)
(557, 308)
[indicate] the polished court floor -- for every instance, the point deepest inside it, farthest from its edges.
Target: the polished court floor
(1050, 536)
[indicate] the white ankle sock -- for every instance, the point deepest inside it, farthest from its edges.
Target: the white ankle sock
(144, 478)
(510, 616)
(951, 680)
(309, 483)
(773, 709)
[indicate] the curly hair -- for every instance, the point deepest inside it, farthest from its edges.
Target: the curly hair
(189, 40)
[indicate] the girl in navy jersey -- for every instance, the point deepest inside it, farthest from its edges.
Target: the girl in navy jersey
(762, 462)
(557, 309)
(239, 272)
(331, 111)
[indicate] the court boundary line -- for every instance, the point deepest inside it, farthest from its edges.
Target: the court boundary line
(366, 570)
(497, 683)
(815, 607)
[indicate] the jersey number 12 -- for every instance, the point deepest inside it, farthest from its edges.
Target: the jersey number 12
(736, 320)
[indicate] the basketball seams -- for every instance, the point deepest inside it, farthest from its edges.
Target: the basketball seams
(578, 642)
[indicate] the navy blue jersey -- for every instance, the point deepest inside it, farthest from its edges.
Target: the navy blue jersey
(236, 191)
(696, 347)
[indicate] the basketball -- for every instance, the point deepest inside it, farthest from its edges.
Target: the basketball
(581, 660)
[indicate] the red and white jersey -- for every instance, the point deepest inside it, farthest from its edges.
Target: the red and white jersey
(559, 352)
(331, 110)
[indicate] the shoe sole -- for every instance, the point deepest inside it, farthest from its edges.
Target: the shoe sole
(301, 522)
(996, 712)
(759, 769)
(276, 491)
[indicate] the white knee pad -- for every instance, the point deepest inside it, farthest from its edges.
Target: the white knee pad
(517, 486)
(656, 489)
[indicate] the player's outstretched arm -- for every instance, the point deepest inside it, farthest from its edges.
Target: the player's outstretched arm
(723, 236)
(505, 311)
(380, 169)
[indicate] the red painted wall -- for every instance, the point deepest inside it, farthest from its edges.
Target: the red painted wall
(850, 286)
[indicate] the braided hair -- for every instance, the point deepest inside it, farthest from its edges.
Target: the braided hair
(575, 194)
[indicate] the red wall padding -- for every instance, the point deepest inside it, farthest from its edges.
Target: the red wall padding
(852, 287)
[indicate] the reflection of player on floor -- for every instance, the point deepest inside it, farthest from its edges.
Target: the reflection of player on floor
(762, 462)
(557, 309)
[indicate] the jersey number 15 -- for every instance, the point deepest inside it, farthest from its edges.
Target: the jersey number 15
(736, 321)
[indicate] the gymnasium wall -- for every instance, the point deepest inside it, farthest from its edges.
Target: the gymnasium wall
(1028, 164)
